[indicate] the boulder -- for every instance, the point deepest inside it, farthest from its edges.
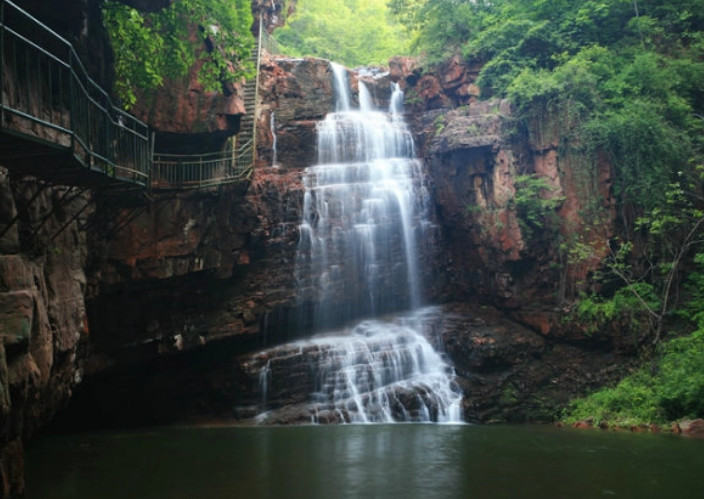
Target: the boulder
(690, 428)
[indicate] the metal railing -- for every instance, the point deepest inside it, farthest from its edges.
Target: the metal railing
(268, 42)
(47, 96)
(172, 171)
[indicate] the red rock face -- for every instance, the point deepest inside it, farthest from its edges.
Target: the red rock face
(183, 105)
(450, 84)
(693, 428)
(240, 240)
(473, 163)
(42, 315)
(299, 93)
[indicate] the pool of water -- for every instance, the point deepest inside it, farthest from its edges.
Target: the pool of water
(364, 461)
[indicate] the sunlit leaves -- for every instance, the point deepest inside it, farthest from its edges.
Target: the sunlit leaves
(535, 202)
(353, 33)
(165, 44)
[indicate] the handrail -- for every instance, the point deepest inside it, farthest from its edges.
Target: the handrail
(268, 42)
(174, 171)
(47, 95)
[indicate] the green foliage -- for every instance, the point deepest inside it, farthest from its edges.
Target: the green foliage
(633, 94)
(671, 389)
(151, 47)
(439, 124)
(680, 384)
(671, 386)
(693, 309)
(627, 306)
(632, 401)
(618, 83)
(352, 32)
(438, 28)
(534, 202)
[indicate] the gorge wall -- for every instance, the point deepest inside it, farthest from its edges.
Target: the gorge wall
(210, 275)
(146, 313)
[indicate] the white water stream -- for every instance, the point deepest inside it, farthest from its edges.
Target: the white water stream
(364, 217)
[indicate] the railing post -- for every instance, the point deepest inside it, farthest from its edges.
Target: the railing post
(72, 101)
(256, 88)
(2, 64)
(150, 158)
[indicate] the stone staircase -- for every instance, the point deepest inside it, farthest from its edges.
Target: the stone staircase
(245, 138)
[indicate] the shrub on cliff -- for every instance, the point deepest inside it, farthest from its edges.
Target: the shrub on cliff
(150, 47)
(669, 388)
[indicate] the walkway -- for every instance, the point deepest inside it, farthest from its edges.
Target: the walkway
(58, 124)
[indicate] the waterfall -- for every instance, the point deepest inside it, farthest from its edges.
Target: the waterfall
(342, 93)
(364, 214)
(272, 126)
(366, 103)
(396, 104)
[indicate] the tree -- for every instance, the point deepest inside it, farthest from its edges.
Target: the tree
(351, 32)
(158, 45)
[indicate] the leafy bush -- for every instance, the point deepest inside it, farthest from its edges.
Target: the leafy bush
(672, 390)
(534, 202)
(624, 306)
(151, 47)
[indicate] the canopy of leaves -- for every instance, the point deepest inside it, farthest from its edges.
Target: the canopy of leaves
(629, 72)
(165, 44)
(351, 32)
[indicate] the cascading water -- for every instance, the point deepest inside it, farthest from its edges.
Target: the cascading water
(272, 127)
(363, 216)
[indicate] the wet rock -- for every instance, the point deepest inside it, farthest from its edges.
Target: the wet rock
(42, 307)
(12, 469)
(693, 428)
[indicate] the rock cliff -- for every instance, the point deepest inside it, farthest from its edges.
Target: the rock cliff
(214, 270)
(488, 173)
(55, 246)
(43, 256)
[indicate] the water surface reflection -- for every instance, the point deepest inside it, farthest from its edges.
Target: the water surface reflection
(370, 461)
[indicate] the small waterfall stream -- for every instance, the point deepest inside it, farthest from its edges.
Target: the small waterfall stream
(272, 127)
(364, 215)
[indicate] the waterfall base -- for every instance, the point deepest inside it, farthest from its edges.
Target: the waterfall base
(379, 371)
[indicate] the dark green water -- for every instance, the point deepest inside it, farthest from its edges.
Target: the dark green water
(380, 461)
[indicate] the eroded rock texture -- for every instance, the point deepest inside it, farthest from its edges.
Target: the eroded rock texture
(478, 160)
(42, 311)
